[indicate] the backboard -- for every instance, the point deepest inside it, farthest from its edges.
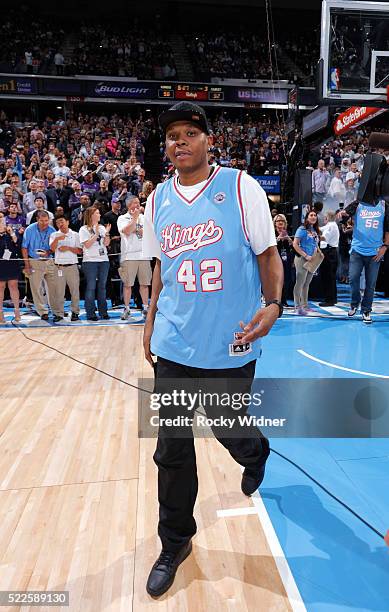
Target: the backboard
(354, 52)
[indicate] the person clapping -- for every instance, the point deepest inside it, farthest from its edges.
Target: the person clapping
(94, 239)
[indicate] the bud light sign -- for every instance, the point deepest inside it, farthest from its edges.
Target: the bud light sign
(120, 89)
(270, 184)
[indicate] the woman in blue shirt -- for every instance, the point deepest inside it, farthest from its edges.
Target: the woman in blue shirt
(306, 241)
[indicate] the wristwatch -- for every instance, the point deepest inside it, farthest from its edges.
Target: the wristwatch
(279, 304)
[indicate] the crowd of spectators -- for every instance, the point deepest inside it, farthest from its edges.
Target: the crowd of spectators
(245, 55)
(63, 168)
(30, 44)
(27, 42)
(258, 147)
(66, 167)
(133, 52)
(229, 55)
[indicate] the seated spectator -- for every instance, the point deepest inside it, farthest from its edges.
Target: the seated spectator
(65, 244)
(94, 239)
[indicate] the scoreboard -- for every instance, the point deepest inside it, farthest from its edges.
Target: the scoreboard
(200, 93)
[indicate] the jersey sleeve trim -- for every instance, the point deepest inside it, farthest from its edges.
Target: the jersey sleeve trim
(241, 209)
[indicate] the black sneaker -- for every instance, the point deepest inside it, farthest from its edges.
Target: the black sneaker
(93, 318)
(105, 316)
(45, 317)
(74, 317)
(252, 479)
(366, 317)
(352, 311)
(164, 570)
(57, 319)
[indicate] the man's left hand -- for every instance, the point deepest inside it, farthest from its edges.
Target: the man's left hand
(260, 324)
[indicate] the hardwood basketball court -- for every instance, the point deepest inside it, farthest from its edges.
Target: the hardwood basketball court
(79, 494)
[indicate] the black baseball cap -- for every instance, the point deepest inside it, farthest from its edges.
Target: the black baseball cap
(184, 111)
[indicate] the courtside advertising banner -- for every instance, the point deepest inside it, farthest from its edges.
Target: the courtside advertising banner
(270, 184)
(355, 116)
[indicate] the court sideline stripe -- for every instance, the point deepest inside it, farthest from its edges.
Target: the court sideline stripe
(338, 367)
(280, 560)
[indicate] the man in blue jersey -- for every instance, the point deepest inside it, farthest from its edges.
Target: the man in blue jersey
(368, 248)
(211, 232)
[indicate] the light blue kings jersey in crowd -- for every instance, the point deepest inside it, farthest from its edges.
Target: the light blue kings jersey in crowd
(368, 230)
(209, 273)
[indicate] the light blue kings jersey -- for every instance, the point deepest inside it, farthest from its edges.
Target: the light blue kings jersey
(368, 229)
(209, 273)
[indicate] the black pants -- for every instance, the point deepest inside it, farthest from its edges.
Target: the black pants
(328, 274)
(176, 457)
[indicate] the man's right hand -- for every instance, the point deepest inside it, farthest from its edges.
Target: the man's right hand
(147, 333)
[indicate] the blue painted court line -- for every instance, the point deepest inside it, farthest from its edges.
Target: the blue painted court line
(338, 563)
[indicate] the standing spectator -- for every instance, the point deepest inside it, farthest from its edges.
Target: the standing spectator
(59, 196)
(89, 185)
(306, 242)
(320, 182)
(59, 62)
(65, 244)
(94, 239)
(345, 239)
(77, 216)
(104, 196)
(32, 216)
(17, 191)
(29, 197)
(132, 262)
(284, 246)
(9, 269)
(337, 190)
(28, 61)
(61, 169)
(111, 218)
(39, 265)
(74, 198)
(351, 191)
(329, 247)
(17, 221)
